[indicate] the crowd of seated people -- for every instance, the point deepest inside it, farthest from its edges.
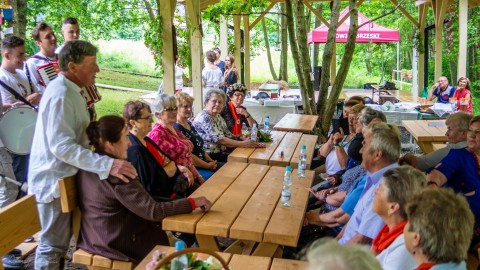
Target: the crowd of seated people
(368, 199)
(121, 221)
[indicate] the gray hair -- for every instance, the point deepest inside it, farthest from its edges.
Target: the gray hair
(326, 254)
(368, 114)
(161, 101)
(212, 92)
(461, 120)
(75, 51)
(402, 182)
(386, 139)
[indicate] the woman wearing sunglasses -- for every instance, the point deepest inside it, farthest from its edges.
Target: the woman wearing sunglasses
(170, 140)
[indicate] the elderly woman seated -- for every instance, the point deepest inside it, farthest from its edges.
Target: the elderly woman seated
(202, 160)
(170, 140)
(397, 188)
(457, 126)
(234, 113)
(159, 175)
(214, 131)
(439, 229)
(121, 221)
(459, 170)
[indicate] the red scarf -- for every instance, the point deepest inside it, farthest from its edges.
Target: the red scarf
(386, 237)
(237, 127)
(425, 266)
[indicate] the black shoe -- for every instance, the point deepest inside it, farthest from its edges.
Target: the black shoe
(10, 261)
(16, 252)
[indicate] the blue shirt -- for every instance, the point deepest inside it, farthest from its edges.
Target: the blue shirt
(462, 173)
(364, 220)
(353, 196)
(445, 96)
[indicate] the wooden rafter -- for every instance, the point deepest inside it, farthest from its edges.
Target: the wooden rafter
(314, 11)
(342, 20)
(405, 12)
(259, 18)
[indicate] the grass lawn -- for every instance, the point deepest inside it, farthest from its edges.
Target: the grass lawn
(113, 101)
(128, 80)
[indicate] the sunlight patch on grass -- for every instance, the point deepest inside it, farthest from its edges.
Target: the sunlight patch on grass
(113, 101)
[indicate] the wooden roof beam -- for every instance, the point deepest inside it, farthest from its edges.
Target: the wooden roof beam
(259, 18)
(314, 11)
(405, 12)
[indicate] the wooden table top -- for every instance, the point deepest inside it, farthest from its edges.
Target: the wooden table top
(246, 205)
(287, 143)
(236, 261)
(426, 130)
(297, 123)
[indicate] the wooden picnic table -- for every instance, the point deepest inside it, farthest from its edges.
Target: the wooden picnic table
(282, 151)
(236, 261)
(427, 133)
(297, 123)
(246, 206)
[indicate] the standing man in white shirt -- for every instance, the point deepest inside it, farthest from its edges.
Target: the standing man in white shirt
(47, 42)
(70, 31)
(13, 56)
(60, 148)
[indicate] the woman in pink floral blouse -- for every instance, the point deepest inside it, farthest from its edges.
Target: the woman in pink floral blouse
(170, 140)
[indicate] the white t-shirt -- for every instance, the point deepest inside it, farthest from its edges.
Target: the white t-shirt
(396, 256)
(17, 81)
(212, 77)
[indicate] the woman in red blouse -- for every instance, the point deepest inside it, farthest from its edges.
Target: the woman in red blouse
(170, 140)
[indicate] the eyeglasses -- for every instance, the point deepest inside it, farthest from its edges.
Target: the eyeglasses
(476, 132)
(148, 118)
(215, 101)
(239, 95)
(170, 109)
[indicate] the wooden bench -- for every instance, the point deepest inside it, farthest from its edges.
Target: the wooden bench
(69, 202)
(18, 221)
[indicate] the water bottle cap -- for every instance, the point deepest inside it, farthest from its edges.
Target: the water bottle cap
(304, 147)
(267, 117)
(179, 245)
(288, 169)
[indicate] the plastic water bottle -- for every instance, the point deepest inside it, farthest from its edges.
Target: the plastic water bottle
(253, 133)
(266, 125)
(302, 162)
(180, 262)
(287, 187)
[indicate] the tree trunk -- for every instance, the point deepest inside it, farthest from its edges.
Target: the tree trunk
(368, 66)
(295, 52)
(267, 47)
(19, 18)
(284, 45)
(453, 71)
(337, 86)
(316, 45)
(308, 96)
(326, 60)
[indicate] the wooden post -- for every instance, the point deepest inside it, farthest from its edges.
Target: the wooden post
(246, 45)
(168, 61)
(237, 19)
(462, 38)
(223, 37)
(422, 16)
(439, 9)
(193, 15)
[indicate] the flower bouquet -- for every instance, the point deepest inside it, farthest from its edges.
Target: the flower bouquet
(162, 261)
(262, 136)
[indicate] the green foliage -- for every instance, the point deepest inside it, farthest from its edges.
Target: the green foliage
(228, 7)
(153, 39)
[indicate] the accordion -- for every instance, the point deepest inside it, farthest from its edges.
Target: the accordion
(49, 71)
